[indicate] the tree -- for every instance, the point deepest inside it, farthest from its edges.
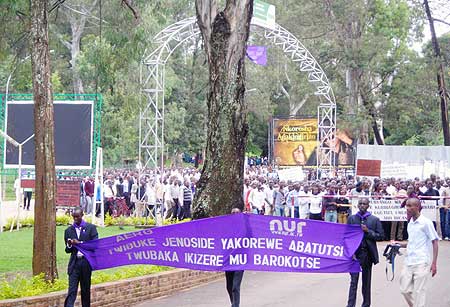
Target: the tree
(225, 34)
(440, 76)
(77, 14)
(44, 243)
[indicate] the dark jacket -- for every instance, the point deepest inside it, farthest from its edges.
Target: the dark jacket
(88, 233)
(374, 234)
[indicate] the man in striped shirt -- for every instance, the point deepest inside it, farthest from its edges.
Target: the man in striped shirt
(187, 201)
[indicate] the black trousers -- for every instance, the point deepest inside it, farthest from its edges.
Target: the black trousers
(234, 279)
(81, 274)
(186, 212)
(366, 285)
(175, 208)
(27, 199)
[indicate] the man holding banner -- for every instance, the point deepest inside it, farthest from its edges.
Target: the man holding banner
(79, 269)
(367, 252)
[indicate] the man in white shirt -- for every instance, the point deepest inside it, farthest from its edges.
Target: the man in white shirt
(422, 253)
(304, 203)
(268, 206)
(293, 201)
(257, 199)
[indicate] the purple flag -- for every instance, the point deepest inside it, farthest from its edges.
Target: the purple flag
(257, 54)
(234, 242)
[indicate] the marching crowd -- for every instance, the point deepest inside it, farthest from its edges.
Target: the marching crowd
(327, 199)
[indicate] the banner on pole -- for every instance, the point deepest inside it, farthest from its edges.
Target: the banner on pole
(390, 210)
(234, 242)
(257, 54)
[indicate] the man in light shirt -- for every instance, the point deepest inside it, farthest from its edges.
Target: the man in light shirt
(304, 203)
(257, 199)
(421, 259)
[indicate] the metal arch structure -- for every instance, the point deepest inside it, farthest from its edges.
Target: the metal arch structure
(151, 119)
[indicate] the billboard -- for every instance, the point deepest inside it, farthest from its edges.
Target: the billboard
(73, 133)
(344, 148)
(294, 141)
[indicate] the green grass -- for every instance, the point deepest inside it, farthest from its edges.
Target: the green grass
(16, 249)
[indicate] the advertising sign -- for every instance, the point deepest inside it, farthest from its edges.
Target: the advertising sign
(295, 141)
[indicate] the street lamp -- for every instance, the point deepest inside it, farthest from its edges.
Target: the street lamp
(19, 145)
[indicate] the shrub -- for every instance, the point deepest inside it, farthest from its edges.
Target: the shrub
(172, 222)
(63, 220)
(109, 220)
(22, 286)
(27, 222)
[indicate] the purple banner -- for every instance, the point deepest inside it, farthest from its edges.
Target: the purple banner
(257, 54)
(234, 242)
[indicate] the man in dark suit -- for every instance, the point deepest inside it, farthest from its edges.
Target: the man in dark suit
(79, 269)
(367, 252)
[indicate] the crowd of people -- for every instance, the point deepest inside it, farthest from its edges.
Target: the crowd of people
(142, 194)
(327, 199)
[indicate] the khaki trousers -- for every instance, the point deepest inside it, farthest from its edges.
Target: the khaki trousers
(342, 218)
(413, 284)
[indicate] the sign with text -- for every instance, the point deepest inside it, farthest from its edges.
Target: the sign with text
(366, 167)
(234, 242)
(291, 174)
(396, 170)
(390, 210)
(294, 141)
(263, 14)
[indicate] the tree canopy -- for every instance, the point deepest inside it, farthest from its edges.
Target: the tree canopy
(365, 48)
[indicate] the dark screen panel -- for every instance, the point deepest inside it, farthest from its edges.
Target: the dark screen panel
(73, 134)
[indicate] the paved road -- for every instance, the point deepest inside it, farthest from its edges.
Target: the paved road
(311, 290)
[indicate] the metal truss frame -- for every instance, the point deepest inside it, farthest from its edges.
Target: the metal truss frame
(151, 119)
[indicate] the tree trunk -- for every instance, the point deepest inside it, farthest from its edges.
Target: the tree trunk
(225, 36)
(443, 95)
(369, 106)
(77, 24)
(44, 248)
(74, 52)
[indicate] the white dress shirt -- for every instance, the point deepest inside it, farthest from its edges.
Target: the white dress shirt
(421, 233)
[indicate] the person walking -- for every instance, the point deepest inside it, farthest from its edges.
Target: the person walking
(421, 259)
(79, 270)
(367, 252)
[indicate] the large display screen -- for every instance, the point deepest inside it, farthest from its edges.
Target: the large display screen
(73, 134)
